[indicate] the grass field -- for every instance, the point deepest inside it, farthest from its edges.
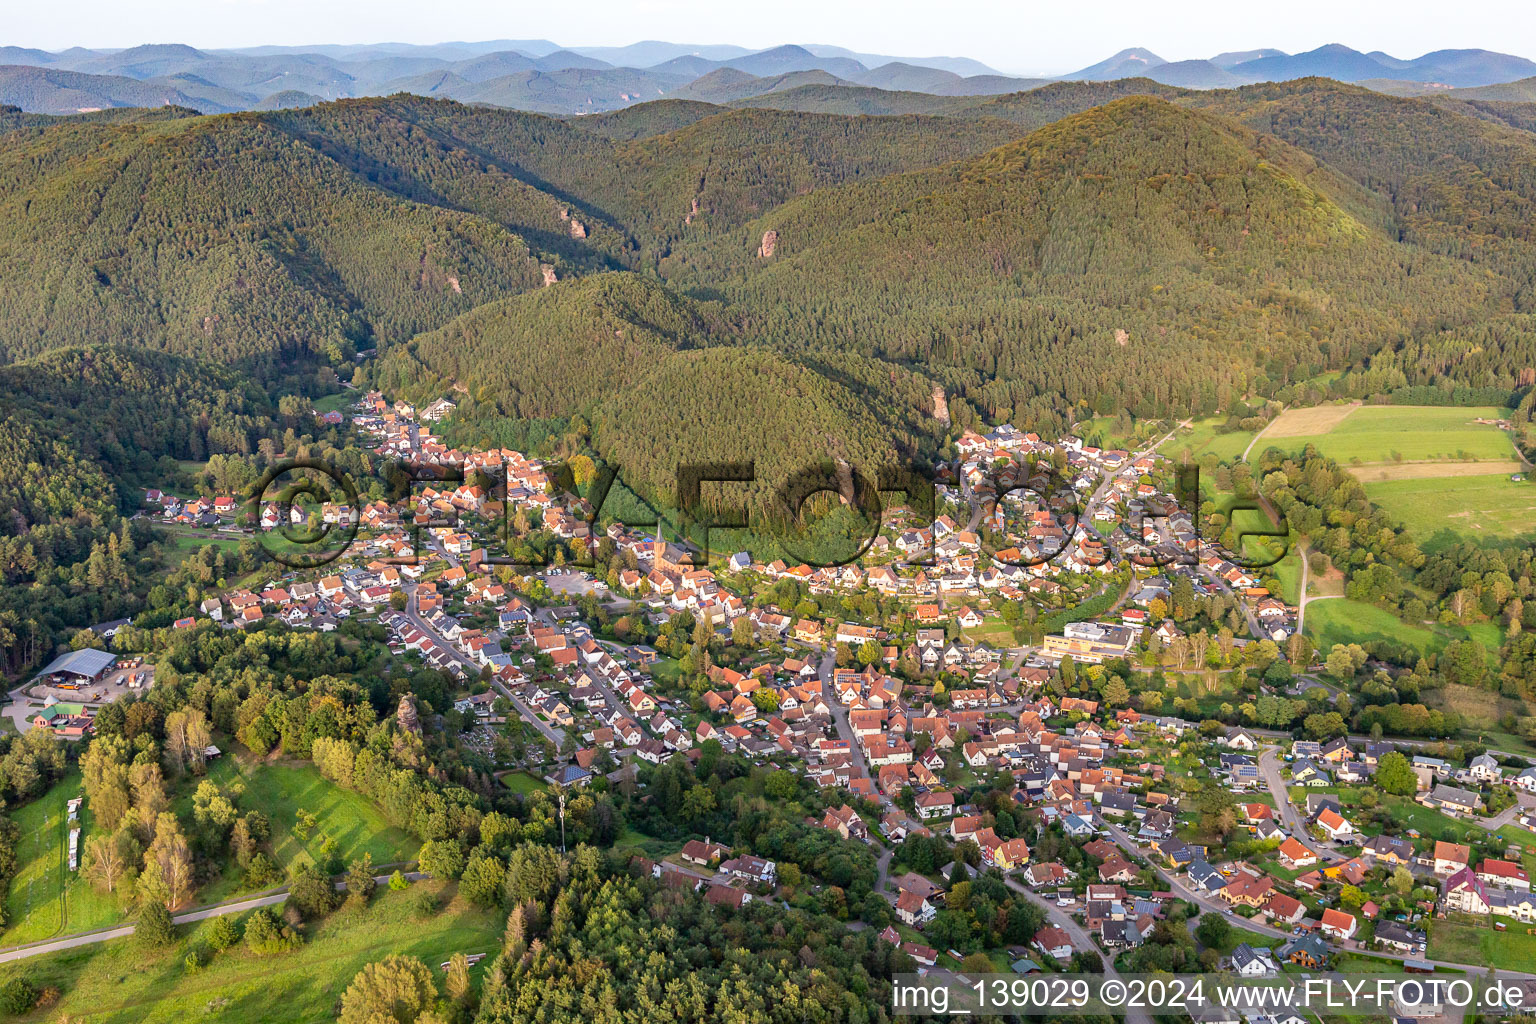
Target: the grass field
(1460, 940)
(179, 545)
(1343, 621)
(339, 402)
(667, 671)
(1405, 813)
(1103, 427)
(522, 782)
(1318, 419)
(1451, 473)
(117, 983)
(1202, 438)
(1480, 712)
(45, 897)
(993, 632)
(1288, 571)
(1258, 940)
(279, 790)
(1390, 433)
(1440, 512)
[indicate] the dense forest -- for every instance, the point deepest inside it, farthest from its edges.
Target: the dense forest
(351, 225)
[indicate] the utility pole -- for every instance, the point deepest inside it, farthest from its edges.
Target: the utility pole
(562, 820)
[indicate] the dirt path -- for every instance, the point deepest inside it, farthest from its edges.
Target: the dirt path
(1257, 436)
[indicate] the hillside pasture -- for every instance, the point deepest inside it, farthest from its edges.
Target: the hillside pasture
(1344, 621)
(1387, 472)
(1440, 511)
(1205, 437)
(1393, 434)
(1309, 422)
(118, 982)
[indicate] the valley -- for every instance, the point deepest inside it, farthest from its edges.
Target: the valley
(498, 532)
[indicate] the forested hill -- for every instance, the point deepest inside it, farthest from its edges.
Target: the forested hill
(553, 353)
(1135, 256)
(1082, 246)
(83, 430)
(663, 381)
(225, 237)
(90, 423)
(708, 174)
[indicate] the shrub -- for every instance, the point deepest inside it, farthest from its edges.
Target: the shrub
(17, 996)
(424, 903)
(223, 933)
(265, 935)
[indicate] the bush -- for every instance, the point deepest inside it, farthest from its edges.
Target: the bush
(223, 933)
(197, 958)
(262, 874)
(442, 858)
(424, 903)
(397, 882)
(311, 894)
(265, 935)
(482, 880)
(17, 996)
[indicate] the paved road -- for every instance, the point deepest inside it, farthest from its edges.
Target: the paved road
(1295, 824)
(413, 614)
(1303, 598)
(860, 768)
(1256, 437)
(203, 914)
(1081, 940)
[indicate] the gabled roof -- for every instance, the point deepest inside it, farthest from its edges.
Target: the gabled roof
(86, 662)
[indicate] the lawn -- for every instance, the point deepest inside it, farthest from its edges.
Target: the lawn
(179, 545)
(341, 401)
(1442, 511)
(1258, 940)
(1462, 940)
(34, 907)
(633, 841)
(522, 782)
(1288, 572)
(1405, 813)
(1103, 428)
(1389, 433)
(1344, 621)
(993, 632)
(46, 898)
(1203, 437)
(279, 790)
(667, 671)
(117, 983)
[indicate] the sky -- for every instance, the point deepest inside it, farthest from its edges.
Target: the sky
(1019, 37)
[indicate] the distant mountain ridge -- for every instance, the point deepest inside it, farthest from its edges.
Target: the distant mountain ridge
(541, 75)
(1457, 68)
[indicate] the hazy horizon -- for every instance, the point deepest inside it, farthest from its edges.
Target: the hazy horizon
(1009, 37)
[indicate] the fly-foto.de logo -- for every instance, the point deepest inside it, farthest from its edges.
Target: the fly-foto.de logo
(307, 513)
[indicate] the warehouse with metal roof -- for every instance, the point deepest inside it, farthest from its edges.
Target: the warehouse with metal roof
(84, 664)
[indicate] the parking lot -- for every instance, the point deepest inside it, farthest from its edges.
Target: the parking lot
(110, 687)
(33, 697)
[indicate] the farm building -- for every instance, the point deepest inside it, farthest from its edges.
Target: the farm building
(76, 667)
